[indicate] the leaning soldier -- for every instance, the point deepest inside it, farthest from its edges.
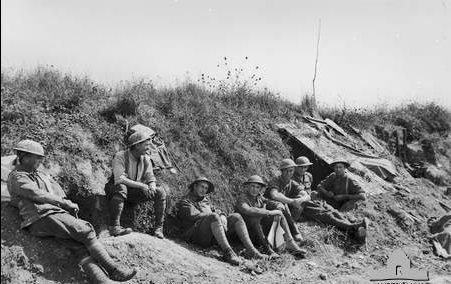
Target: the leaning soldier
(319, 211)
(134, 182)
(339, 189)
(46, 212)
(251, 205)
(287, 195)
(202, 224)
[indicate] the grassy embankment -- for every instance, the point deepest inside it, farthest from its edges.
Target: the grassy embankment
(224, 134)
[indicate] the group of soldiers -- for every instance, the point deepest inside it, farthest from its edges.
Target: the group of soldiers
(46, 211)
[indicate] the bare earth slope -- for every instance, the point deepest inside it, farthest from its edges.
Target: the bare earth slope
(26, 259)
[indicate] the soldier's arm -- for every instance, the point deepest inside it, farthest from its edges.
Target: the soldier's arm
(186, 211)
(356, 191)
(278, 196)
(303, 197)
(24, 187)
(324, 185)
(121, 177)
(297, 190)
(245, 209)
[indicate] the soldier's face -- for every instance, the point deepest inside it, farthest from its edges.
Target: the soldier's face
(301, 170)
(143, 147)
(287, 173)
(32, 161)
(253, 189)
(339, 169)
(200, 188)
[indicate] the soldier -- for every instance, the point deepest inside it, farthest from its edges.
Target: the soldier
(251, 205)
(339, 189)
(134, 182)
(202, 224)
(287, 195)
(301, 175)
(320, 211)
(46, 212)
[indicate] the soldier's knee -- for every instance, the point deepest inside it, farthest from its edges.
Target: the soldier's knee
(235, 217)
(87, 233)
(213, 217)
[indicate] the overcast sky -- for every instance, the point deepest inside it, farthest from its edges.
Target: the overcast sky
(370, 51)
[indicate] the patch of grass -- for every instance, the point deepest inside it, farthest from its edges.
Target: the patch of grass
(224, 134)
(420, 120)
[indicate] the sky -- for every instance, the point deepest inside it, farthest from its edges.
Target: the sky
(370, 52)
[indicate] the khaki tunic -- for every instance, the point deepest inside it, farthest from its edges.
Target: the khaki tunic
(341, 184)
(126, 165)
(31, 194)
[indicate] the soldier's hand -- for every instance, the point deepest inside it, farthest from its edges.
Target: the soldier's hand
(275, 213)
(329, 194)
(70, 206)
(152, 186)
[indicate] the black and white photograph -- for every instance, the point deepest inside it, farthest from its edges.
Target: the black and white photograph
(213, 141)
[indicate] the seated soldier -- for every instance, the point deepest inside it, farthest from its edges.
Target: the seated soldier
(301, 175)
(251, 205)
(46, 213)
(287, 195)
(202, 224)
(134, 182)
(339, 189)
(319, 210)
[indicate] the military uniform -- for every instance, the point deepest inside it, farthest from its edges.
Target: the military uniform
(306, 179)
(46, 213)
(125, 165)
(320, 211)
(340, 185)
(256, 217)
(41, 204)
(196, 215)
(290, 189)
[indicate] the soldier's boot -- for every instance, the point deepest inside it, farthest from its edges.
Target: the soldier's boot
(243, 234)
(218, 232)
(116, 207)
(292, 247)
(297, 236)
(115, 271)
(160, 208)
(269, 251)
(95, 273)
(231, 257)
(362, 229)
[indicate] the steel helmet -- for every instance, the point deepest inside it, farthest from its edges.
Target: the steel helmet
(211, 187)
(137, 138)
(255, 179)
(303, 161)
(340, 161)
(30, 146)
(287, 163)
